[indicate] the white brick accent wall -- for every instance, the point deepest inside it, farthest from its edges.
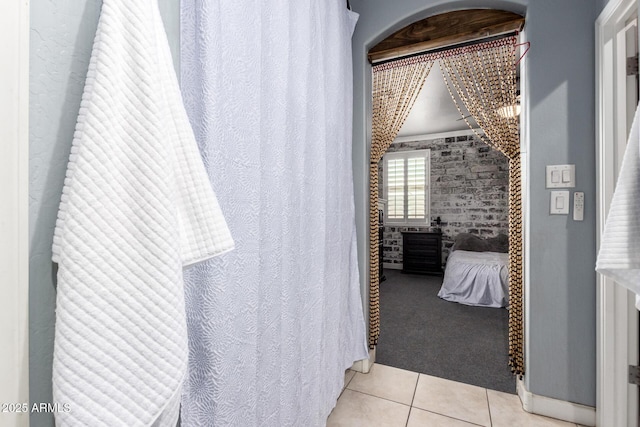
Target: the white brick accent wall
(469, 191)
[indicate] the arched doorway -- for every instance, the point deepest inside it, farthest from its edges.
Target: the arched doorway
(442, 33)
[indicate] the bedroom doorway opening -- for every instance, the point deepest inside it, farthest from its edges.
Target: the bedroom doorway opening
(420, 330)
(415, 226)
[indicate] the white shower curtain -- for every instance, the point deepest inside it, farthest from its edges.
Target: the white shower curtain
(274, 324)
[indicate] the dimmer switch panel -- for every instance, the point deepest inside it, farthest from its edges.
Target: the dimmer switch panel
(561, 176)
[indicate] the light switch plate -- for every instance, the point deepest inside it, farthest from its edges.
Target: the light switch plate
(561, 176)
(559, 203)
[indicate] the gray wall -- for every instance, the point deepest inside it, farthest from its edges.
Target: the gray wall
(61, 37)
(561, 360)
(562, 116)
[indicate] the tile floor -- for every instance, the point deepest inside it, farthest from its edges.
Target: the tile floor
(394, 397)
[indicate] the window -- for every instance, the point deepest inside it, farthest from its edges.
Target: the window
(406, 187)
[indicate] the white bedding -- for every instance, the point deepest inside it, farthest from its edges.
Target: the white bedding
(476, 278)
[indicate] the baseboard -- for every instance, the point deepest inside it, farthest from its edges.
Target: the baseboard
(554, 408)
(365, 365)
(391, 266)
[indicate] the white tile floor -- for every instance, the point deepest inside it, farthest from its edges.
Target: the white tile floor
(394, 397)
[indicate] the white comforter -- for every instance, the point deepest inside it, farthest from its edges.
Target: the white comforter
(476, 278)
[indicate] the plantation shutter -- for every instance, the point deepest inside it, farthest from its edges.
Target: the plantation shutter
(395, 189)
(416, 188)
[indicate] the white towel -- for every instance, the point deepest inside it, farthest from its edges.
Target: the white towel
(619, 256)
(137, 205)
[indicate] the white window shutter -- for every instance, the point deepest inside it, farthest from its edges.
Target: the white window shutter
(406, 186)
(395, 189)
(416, 186)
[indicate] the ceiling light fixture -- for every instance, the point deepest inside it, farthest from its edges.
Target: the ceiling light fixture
(510, 111)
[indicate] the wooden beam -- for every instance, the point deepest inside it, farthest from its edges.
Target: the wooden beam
(447, 29)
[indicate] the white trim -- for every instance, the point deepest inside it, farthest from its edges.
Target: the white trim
(365, 365)
(431, 136)
(554, 408)
(525, 179)
(616, 322)
(14, 219)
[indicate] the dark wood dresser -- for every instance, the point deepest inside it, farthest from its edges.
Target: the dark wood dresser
(422, 252)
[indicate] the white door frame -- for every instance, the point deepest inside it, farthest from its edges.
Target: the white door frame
(617, 318)
(14, 218)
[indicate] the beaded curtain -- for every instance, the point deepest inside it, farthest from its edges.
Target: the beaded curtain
(482, 78)
(396, 86)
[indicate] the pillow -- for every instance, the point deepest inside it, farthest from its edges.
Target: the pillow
(500, 243)
(471, 242)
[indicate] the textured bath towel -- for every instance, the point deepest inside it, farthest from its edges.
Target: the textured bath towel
(136, 207)
(619, 255)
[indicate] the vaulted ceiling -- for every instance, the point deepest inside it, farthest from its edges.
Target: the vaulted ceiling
(434, 111)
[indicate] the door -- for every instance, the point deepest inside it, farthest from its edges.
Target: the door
(14, 165)
(630, 33)
(628, 89)
(617, 323)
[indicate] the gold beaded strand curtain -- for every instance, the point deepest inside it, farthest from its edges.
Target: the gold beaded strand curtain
(483, 77)
(396, 86)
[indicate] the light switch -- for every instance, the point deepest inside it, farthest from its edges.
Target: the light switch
(559, 203)
(561, 176)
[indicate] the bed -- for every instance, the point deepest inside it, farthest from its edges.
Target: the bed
(477, 272)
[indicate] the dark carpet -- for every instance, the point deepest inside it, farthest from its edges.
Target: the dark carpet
(422, 333)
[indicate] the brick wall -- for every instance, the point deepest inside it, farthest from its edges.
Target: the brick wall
(469, 191)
